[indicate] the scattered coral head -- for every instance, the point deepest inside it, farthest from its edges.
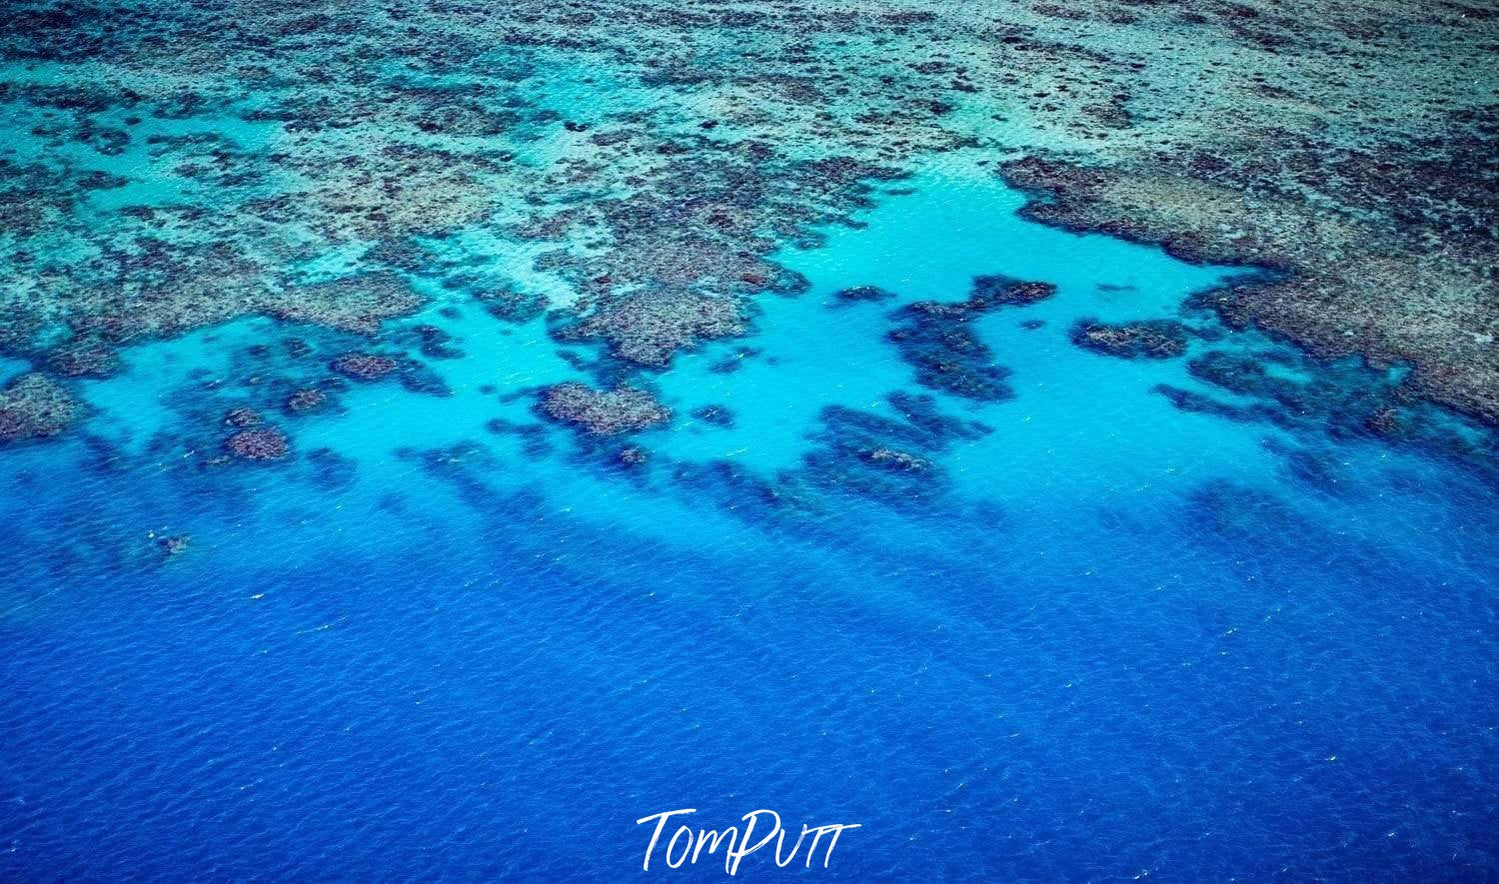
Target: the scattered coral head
(267, 443)
(603, 413)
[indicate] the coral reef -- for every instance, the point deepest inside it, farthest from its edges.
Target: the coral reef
(33, 406)
(358, 304)
(947, 355)
(307, 400)
(364, 367)
(1346, 234)
(714, 415)
(1143, 339)
(266, 443)
(329, 469)
(603, 413)
(348, 163)
(173, 546)
(936, 339)
(368, 368)
(631, 456)
(241, 418)
(534, 437)
(1345, 400)
(83, 358)
(862, 294)
(648, 328)
(1002, 291)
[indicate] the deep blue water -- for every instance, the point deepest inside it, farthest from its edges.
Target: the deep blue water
(1128, 640)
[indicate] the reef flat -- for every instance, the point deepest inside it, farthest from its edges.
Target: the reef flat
(180, 165)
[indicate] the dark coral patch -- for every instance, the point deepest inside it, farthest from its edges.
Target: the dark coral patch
(1004, 291)
(534, 437)
(264, 444)
(937, 338)
(862, 294)
(734, 361)
(241, 418)
(948, 356)
(34, 406)
(631, 457)
(364, 367)
(743, 492)
(329, 469)
(174, 545)
(84, 358)
(513, 306)
(367, 368)
(888, 459)
(306, 401)
(1143, 339)
(431, 341)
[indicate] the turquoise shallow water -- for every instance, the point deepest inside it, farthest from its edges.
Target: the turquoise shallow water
(1106, 638)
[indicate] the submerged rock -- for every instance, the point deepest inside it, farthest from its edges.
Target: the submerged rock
(175, 545)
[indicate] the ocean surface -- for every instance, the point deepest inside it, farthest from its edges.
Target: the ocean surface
(1101, 637)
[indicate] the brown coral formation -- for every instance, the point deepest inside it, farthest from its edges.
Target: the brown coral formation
(34, 407)
(365, 367)
(1349, 280)
(1147, 339)
(357, 304)
(648, 328)
(266, 443)
(603, 413)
